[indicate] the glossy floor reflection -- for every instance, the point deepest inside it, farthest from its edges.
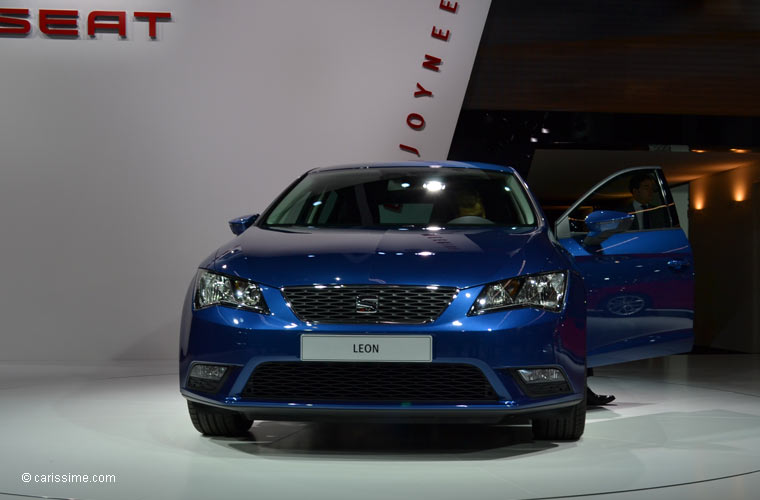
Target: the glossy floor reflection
(682, 427)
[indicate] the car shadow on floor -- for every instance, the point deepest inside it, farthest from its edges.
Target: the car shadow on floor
(388, 441)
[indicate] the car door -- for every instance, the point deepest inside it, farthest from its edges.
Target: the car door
(639, 279)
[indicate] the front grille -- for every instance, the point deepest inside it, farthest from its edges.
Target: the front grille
(367, 382)
(380, 304)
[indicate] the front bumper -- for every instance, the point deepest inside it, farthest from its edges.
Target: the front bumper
(494, 345)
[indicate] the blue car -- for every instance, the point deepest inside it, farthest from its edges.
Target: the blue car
(431, 292)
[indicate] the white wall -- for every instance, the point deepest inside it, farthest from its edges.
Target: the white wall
(121, 160)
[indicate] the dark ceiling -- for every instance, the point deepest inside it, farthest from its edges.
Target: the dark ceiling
(633, 56)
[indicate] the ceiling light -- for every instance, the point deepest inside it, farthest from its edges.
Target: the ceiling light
(434, 186)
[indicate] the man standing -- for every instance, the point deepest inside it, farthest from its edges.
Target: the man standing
(648, 209)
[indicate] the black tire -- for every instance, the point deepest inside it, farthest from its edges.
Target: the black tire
(211, 421)
(566, 426)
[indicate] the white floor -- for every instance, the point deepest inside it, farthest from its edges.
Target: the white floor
(684, 427)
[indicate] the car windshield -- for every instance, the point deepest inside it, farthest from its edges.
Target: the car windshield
(404, 196)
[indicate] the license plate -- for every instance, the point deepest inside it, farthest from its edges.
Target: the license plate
(366, 348)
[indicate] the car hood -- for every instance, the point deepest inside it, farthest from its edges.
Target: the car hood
(449, 257)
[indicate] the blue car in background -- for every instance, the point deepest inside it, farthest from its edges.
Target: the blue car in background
(430, 292)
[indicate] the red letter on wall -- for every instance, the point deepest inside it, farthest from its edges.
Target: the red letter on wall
(19, 26)
(120, 25)
(46, 24)
(431, 62)
(409, 149)
(415, 121)
(439, 34)
(446, 5)
(152, 17)
(422, 92)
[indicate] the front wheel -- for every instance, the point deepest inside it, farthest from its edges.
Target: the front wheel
(566, 426)
(212, 421)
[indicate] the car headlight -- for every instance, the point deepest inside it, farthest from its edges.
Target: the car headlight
(546, 290)
(213, 289)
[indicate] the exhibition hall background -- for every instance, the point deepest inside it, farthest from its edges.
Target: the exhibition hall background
(122, 158)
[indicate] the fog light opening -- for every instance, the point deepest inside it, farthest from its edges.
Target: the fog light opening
(541, 375)
(208, 372)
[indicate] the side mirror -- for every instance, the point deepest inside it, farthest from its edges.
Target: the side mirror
(604, 223)
(240, 224)
(608, 220)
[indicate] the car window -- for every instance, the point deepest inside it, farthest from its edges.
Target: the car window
(639, 192)
(403, 196)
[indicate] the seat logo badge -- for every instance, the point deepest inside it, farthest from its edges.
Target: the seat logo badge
(367, 304)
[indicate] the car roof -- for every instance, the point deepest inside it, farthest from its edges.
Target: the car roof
(430, 164)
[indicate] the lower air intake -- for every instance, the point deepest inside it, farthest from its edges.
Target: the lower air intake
(367, 382)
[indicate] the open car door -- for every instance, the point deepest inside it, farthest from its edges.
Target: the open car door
(637, 267)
